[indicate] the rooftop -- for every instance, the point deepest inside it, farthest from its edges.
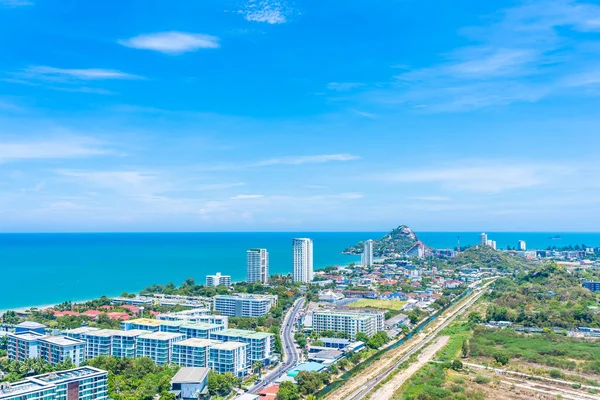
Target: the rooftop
(131, 333)
(196, 342)
(146, 321)
(81, 330)
(190, 375)
(22, 388)
(69, 375)
(30, 325)
(309, 367)
(62, 340)
(161, 336)
(104, 333)
(28, 336)
(229, 345)
(244, 333)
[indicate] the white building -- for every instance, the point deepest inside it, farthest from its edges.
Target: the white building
(303, 259)
(218, 280)
(244, 305)
(192, 352)
(257, 266)
(522, 245)
(229, 357)
(52, 349)
(350, 323)
(260, 344)
(483, 239)
(158, 346)
(85, 383)
(367, 256)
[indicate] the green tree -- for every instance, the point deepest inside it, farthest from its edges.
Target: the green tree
(362, 337)
(501, 358)
(466, 348)
(288, 391)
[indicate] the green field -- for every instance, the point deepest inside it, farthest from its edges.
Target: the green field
(383, 304)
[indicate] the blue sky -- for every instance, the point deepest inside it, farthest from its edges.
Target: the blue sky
(271, 115)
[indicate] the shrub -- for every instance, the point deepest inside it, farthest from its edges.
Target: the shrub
(482, 380)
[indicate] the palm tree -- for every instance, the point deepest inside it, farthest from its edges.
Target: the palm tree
(257, 367)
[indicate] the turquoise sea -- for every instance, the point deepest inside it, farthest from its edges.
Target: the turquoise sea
(41, 269)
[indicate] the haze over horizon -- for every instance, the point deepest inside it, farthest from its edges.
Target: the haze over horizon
(275, 115)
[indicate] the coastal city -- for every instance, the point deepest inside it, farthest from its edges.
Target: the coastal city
(275, 336)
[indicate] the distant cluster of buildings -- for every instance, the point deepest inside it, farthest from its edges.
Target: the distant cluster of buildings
(485, 241)
(190, 338)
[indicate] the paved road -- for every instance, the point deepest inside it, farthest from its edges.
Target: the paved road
(289, 348)
(366, 389)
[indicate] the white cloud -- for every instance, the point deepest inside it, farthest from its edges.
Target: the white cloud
(172, 42)
(268, 11)
(485, 178)
(248, 196)
(430, 198)
(16, 3)
(59, 74)
(526, 53)
(343, 86)
(297, 160)
(50, 149)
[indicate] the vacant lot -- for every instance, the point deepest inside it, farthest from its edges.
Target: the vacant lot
(550, 350)
(383, 304)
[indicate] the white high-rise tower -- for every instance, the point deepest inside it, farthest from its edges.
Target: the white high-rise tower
(257, 266)
(303, 259)
(367, 258)
(483, 239)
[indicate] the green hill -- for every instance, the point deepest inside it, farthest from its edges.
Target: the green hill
(398, 241)
(486, 257)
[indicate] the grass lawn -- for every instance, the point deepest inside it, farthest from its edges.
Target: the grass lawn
(383, 304)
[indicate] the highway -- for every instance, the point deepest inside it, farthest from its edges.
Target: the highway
(289, 348)
(363, 391)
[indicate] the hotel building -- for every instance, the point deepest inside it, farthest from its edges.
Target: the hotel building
(85, 383)
(257, 267)
(229, 357)
(244, 305)
(218, 280)
(350, 323)
(158, 346)
(260, 344)
(303, 259)
(23, 345)
(192, 352)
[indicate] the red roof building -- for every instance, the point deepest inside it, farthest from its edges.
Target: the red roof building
(269, 393)
(131, 308)
(119, 315)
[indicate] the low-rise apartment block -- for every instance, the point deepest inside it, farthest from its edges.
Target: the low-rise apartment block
(58, 349)
(195, 315)
(85, 383)
(345, 321)
(158, 346)
(244, 305)
(52, 349)
(260, 344)
(229, 357)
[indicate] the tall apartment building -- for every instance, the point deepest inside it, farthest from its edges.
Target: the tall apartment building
(192, 352)
(483, 239)
(124, 343)
(244, 305)
(303, 259)
(52, 349)
(260, 344)
(257, 266)
(229, 357)
(367, 256)
(347, 322)
(522, 246)
(218, 280)
(158, 346)
(85, 383)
